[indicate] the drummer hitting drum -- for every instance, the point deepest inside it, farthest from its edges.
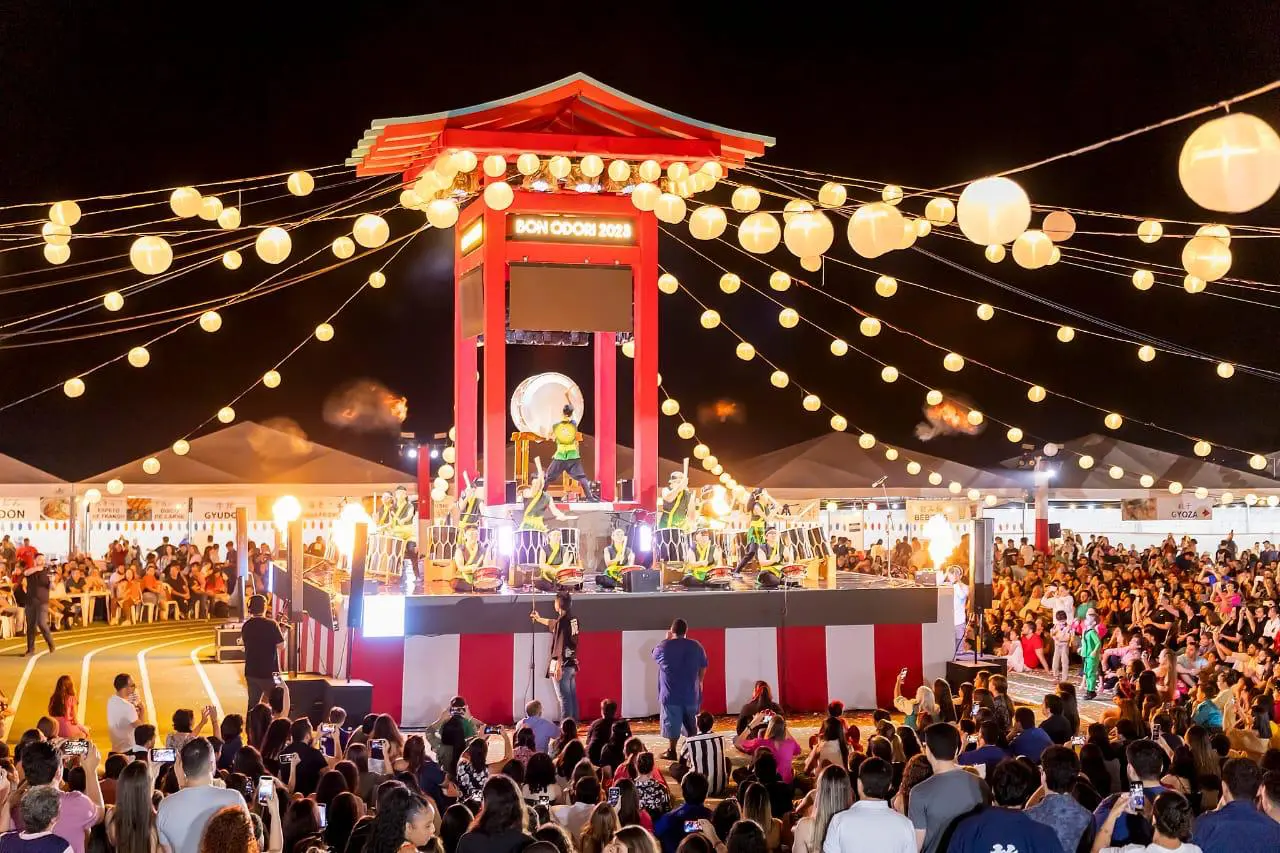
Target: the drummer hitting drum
(556, 571)
(700, 560)
(539, 504)
(770, 559)
(567, 458)
(674, 515)
(470, 504)
(759, 508)
(617, 559)
(468, 557)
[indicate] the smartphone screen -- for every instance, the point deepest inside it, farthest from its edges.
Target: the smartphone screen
(377, 756)
(1137, 796)
(973, 711)
(275, 677)
(690, 826)
(163, 756)
(1077, 740)
(75, 747)
(614, 795)
(324, 817)
(266, 788)
(1156, 731)
(902, 673)
(329, 740)
(973, 738)
(493, 730)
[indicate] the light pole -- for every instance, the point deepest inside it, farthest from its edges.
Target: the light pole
(288, 512)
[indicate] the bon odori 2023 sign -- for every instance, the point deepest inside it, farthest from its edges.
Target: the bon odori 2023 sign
(549, 228)
(1183, 507)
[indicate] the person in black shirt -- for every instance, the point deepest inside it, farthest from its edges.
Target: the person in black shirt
(306, 762)
(598, 734)
(262, 642)
(1056, 725)
(562, 669)
(36, 581)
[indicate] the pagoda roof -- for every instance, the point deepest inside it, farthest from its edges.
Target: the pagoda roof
(575, 115)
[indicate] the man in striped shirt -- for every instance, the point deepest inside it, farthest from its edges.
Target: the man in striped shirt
(704, 753)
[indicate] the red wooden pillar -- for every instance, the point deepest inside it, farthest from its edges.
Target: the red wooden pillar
(465, 384)
(645, 300)
(606, 419)
(494, 402)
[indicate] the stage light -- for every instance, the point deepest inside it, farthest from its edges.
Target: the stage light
(412, 452)
(506, 541)
(644, 539)
(383, 616)
(435, 454)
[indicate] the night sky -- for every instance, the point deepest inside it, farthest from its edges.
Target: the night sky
(105, 98)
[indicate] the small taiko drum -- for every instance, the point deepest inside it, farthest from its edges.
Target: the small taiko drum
(626, 569)
(719, 575)
(569, 577)
(488, 578)
(793, 573)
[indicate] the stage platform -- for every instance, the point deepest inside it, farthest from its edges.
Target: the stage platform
(811, 644)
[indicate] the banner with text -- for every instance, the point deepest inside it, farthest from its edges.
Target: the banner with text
(919, 512)
(221, 509)
(110, 509)
(19, 509)
(1183, 507)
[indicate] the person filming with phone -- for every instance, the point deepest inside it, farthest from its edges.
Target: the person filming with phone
(562, 669)
(301, 763)
(263, 641)
(182, 816)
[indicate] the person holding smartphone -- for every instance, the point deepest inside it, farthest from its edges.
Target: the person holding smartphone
(305, 763)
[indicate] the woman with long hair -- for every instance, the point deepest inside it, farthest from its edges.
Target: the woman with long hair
(331, 784)
(614, 752)
(344, 812)
(128, 595)
(301, 821)
(499, 825)
(256, 723)
(628, 808)
(429, 774)
(568, 732)
(756, 807)
(946, 702)
(965, 706)
(385, 728)
(248, 762)
(131, 822)
(453, 823)
(776, 740)
(472, 772)
(915, 771)
(921, 711)
(746, 836)
(599, 830)
(540, 779)
(833, 795)
(1070, 706)
(62, 708)
(573, 752)
(830, 749)
(761, 700)
(275, 739)
(405, 822)
(636, 839)
(910, 742)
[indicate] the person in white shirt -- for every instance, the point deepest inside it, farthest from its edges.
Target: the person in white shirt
(869, 824)
(1026, 553)
(960, 602)
(1057, 598)
(573, 817)
(182, 817)
(1272, 626)
(124, 713)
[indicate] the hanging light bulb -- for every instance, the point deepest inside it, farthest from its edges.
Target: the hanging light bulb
(1257, 462)
(1202, 448)
(934, 397)
(745, 351)
(139, 357)
(889, 373)
(271, 379)
(1085, 461)
(953, 362)
(1146, 352)
(226, 414)
(1066, 334)
(729, 283)
(1143, 279)
(986, 312)
(211, 321)
(1036, 394)
(838, 347)
(866, 441)
(324, 332)
(1226, 369)
(670, 407)
(891, 453)
(1014, 435)
(300, 183)
(811, 403)
(838, 423)
(870, 327)
(113, 301)
(73, 387)
(1149, 231)
(913, 468)
(886, 286)
(1113, 421)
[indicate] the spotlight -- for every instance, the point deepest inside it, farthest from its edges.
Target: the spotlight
(435, 454)
(413, 452)
(506, 541)
(644, 539)
(384, 616)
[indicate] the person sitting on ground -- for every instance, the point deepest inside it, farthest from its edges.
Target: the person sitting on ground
(543, 729)
(670, 828)
(1030, 740)
(990, 750)
(1238, 825)
(761, 700)
(573, 817)
(775, 739)
(704, 752)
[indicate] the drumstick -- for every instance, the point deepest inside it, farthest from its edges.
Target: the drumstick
(466, 478)
(686, 467)
(537, 460)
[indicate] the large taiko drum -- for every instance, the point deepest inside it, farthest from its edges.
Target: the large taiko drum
(529, 544)
(731, 544)
(669, 544)
(488, 578)
(442, 539)
(538, 402)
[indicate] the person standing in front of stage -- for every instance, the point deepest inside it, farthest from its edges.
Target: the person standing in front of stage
(563, 666)
(682, 663)
(36, 580)
(262, 643)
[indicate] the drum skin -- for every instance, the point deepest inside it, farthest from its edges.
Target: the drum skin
(488, 578)
(569, 577)
(538, 403)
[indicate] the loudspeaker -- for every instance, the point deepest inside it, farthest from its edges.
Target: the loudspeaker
(359, 556)
(960, 671)
(314, 695)
(1055, 530)
(512, 492)
(642, 580)
(626, 491)
(982, 564)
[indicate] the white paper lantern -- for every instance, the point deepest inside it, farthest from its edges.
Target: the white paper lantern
(645, 196)
(838, 347)
(811, 264)
(64, 213)
(370, 230)
(759, 233)
(1193, 284)
(922, 226)
(92, 496)
(271, 379)
(993, 210)
(832, 195)
(668, 283)
(1066, 334)
(629, 348)
(1036, 394)
(1175, 488)
(701, 451)
(1202, 448)
(1220, 231)
(788, 318)
(1257, 462)
(273, 244)
(151, 465)
(1150, 230)
(745, 351)
(300, 183)
(226, 414)
(210, 208)
(185, 202)
(466, 161)
(670, 208)
(343, 248)
(1146, 352)
(889, 373)
(113, 301)
(838, 423)
(1143, 279)
(953, 362)
(729, 283)
(890, 453)
(559, 167)
(794, 208)
(620, 171)
(528, 164)
(1032, 250)
(56, 254)
(975, 417)
(495, 166)
(377, 280)
(779, 281)
(745, 199)
(709, 319)
(935, 479)
(150, 255)
(115, 486)
(1115, 472)
(1225, 370)
(73, 387)
(499, 195)
(1206, 257)
(866, 441)
(986, 312)
(808, 235)
(1058, 226)
(869, 326)
(670, 407)
(811, 403)
(210, 321)
(891, 194)
(994, 253)
(1113, 420)
(1051, 449)
(940, 211)
(324, 332)
(442, 212)
(707, 222)
(1231, 163)
(934, 397)
(1147, 481)
(1014, 435)
(875, 229)
(1085, 461)
(678, 172)
(886, 286)
(139, 357)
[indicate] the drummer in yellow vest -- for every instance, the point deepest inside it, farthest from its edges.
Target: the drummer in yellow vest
(617, 557)
(553, 560)
(673, 514)
(567, 459)
(467, 557)
(470, 504)
(538, 504)
(400, 521)
(700, 560)
(770, 558)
